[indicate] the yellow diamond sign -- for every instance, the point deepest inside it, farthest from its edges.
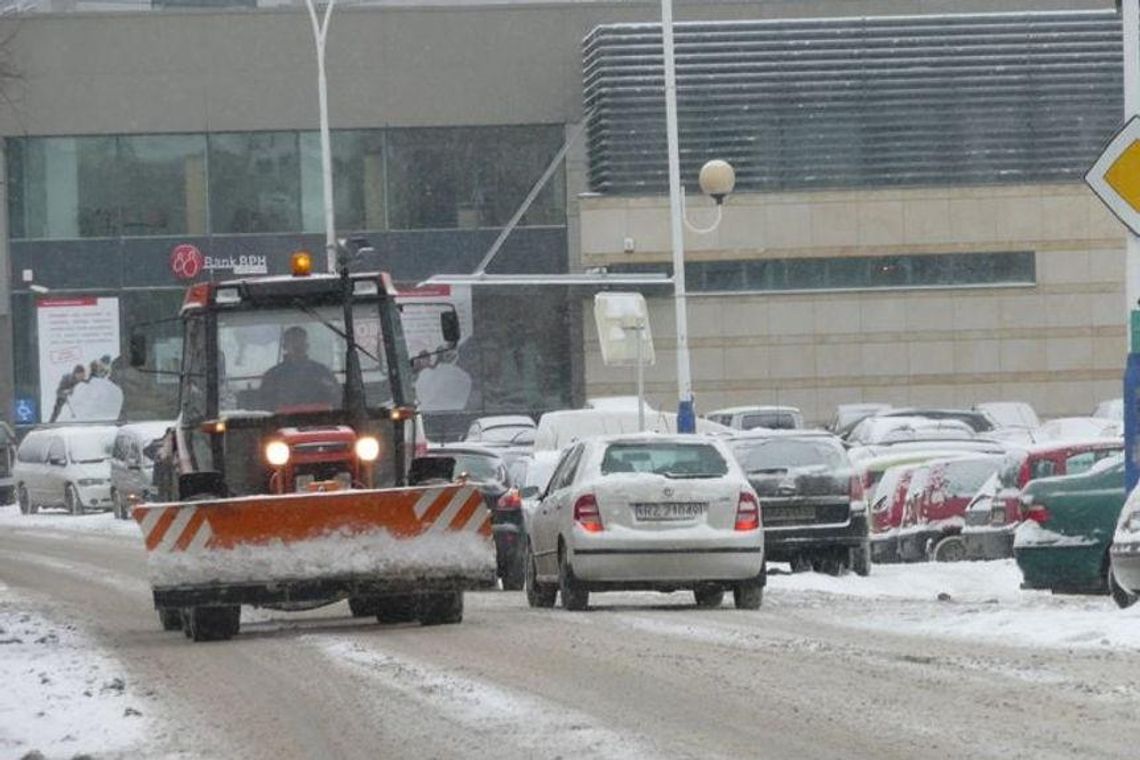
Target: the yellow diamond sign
(1115, 177)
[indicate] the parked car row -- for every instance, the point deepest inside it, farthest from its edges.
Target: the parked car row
(83, 468)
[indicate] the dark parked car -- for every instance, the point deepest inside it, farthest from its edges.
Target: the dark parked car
(990, 523)
(811, 502)
(486, 469)
(1062, 544)
(7, 457)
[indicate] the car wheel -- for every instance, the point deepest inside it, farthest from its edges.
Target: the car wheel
(1122, 596)
(515, 576)
(749, 594)
(709, 597)
(402, 608)
(442, 609)
(861, 560)
(949, 549)
(170, 618)
(213, 623)
(801, 563)
(537, 594)
(22, 500)
(575, 596)
(72, 501)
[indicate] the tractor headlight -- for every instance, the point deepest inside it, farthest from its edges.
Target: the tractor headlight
(367, 448)
(277, 453)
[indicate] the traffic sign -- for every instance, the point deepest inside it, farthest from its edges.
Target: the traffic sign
(1115, 177)
(25, 412)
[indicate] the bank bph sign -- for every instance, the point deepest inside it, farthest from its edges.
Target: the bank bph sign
(187, 262)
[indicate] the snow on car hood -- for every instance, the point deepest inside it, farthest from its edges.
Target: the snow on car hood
(1031, 534)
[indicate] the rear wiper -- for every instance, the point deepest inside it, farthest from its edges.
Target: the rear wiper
(302, 306)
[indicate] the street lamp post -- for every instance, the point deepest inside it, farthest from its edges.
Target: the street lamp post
(320, 34)
(717, 179)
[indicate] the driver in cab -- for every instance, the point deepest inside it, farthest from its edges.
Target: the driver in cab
(298, 381)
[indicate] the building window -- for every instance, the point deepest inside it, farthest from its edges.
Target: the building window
(255, 182)
(63, 187)
(358, 180)
(162, 185)
(472, 176)
(855, 273)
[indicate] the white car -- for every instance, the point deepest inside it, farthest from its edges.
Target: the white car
(648, 512)
(752, 417)
(66, 467)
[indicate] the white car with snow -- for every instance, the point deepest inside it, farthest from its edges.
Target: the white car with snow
(66, 466)
(645, 512)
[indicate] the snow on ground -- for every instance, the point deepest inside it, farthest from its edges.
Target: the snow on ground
(530, 723)
(980, 601)
(95, 523)
(61, 696)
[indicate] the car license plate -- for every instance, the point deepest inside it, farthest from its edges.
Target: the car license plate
(788, 514)
(669, 511)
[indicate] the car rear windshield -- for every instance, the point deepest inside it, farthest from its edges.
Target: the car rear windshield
(482, 469)
(782, 454)
(771, 420)
(674, 460)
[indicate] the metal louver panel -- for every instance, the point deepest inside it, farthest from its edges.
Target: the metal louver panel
(857, 102)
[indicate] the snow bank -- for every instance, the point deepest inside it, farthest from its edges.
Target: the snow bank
(335, 555)
(980, 602)
(100, 523)
(61, 696)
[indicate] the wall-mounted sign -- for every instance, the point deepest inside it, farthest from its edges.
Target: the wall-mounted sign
(186, 261)
(78, 343)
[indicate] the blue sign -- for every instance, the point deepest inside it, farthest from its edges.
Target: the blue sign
(24, 410)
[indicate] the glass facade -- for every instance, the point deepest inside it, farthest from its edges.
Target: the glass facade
(855, 272)
(130, 186)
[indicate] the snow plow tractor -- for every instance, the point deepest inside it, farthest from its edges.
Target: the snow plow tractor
(284, 483)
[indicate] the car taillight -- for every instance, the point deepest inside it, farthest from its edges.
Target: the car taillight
(747, 512)
(1038, 514)
(586, 513)
(510, 500)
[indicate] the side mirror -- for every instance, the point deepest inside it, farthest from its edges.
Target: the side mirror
(449, 325)
(138, 350)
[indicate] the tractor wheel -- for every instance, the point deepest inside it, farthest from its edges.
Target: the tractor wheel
(403, 608)
(442, 609)
(213, 623)
(170, 618)
(363, 606)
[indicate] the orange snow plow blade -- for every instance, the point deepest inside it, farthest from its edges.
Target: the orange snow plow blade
(311, 546)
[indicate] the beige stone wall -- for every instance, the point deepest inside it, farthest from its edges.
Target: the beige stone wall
(1059, 344)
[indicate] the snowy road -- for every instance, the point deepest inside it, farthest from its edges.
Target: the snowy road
(829, 668)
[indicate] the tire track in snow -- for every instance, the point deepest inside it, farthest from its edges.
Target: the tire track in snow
(536, 726)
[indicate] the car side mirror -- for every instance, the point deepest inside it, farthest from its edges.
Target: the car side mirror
(138, 350)
(449, 326)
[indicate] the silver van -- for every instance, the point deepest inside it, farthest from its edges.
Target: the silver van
(132, 464)
(67, 467)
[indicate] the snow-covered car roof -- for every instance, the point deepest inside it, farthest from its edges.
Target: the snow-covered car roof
(756, 408)
(147, 431)
(504, 420)
(561, 428)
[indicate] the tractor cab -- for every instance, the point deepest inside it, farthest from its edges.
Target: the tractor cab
(294, 383)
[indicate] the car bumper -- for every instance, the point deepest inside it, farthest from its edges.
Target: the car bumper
(989, 543)
(627, 558)
(783, 544)
(95, 497)
(1073, 569)
(1126, 565)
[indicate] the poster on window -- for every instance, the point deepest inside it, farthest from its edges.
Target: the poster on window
(78, 343)
(442, 378)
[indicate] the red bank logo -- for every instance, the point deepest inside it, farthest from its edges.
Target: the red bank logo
(186, 261)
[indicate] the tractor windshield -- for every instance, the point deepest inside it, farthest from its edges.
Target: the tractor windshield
(289, 360)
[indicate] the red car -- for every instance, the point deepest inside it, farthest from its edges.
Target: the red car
(991, 523)
(934, 512)
(887, 511)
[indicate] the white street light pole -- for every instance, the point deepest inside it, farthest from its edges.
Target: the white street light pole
(686, 415)
(320, 34)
